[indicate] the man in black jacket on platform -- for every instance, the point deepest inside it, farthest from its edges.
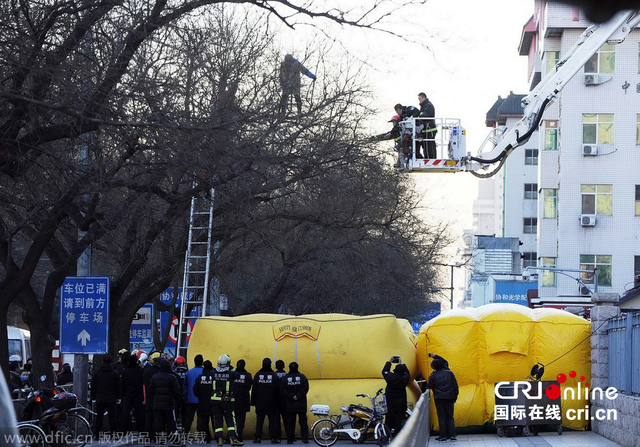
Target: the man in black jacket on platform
(165, 392)
(105, 391)
(445, 393)
(396, 393)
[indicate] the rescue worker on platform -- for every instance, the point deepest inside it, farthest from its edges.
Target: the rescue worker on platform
(429, 131)
(222, 401)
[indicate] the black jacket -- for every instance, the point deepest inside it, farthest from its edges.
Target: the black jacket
(444, 384)
(429, 111)
(264, 395)
(203, 389)
(147, 375)
(241, 391)
(132, 382)
(164, 388)
(408, 112)
(396, 391)
(64, 377)
(105, 384)
(294, 388)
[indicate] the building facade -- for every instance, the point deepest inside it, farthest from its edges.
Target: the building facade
(589, 145)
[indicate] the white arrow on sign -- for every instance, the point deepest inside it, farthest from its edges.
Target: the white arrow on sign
(84, 337)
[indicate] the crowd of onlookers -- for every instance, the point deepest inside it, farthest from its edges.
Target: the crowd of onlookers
(159, 396)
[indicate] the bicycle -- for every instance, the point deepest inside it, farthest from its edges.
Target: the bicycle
(56, 415)
(356, 421)
(30, 435)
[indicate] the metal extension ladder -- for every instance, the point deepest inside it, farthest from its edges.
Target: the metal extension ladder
(197, 261)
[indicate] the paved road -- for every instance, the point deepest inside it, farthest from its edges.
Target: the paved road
(567, 439)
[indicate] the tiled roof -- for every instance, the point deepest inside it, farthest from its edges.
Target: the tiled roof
(511, 106)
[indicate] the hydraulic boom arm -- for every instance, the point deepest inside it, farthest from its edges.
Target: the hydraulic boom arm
(534, 104)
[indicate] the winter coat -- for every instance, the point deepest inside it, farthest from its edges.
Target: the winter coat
(164, 389)
(396, 391)
(147, 375)
(409, 112)
(119, 367)
(64, 377)
(428, 110)
(444, 384)
(294, 388)
(264, 395)
(132, 379)
(105, 384)
(290, 70)
(203, 389)
(189, 381)
(241, 391)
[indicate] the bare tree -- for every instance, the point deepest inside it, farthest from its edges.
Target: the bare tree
(112, 111)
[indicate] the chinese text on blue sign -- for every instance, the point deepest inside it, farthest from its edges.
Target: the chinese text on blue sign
(84, 315)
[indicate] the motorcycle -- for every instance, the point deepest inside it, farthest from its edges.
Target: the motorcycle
(55, 411)
(357, 422)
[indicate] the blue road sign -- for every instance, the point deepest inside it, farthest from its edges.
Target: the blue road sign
(84, 315)
(141, 328)
(166, 297)
(514, 292)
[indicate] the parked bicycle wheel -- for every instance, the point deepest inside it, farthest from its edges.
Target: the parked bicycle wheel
(78, 431)
(30, 435)
(322, 431)
(383, 434)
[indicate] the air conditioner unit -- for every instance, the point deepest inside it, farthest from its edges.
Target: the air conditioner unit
(591, 79)
(589, 149)
(588, 220)
(584, 290)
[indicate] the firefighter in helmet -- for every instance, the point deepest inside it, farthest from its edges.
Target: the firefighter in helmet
(222, 401)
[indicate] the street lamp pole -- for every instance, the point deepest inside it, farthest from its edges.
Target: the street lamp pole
(437, 289)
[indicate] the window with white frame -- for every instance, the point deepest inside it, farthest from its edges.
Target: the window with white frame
(530, 225)
(637, 200)
(597, 199)
(550, 203)
(531, 191)
(604, 61)
(531, 157)
(529, 259)
(551, 135)
(597, 128)
(548, 277)
(600, 262)
(551, 59)
(637, 130)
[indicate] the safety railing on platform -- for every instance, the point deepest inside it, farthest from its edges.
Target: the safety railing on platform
(624, 353)
(416, 431)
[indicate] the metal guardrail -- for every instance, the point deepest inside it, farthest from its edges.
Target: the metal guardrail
(624, 353)
(416, 431)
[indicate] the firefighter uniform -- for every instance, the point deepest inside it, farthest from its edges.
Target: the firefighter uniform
(222, 401)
